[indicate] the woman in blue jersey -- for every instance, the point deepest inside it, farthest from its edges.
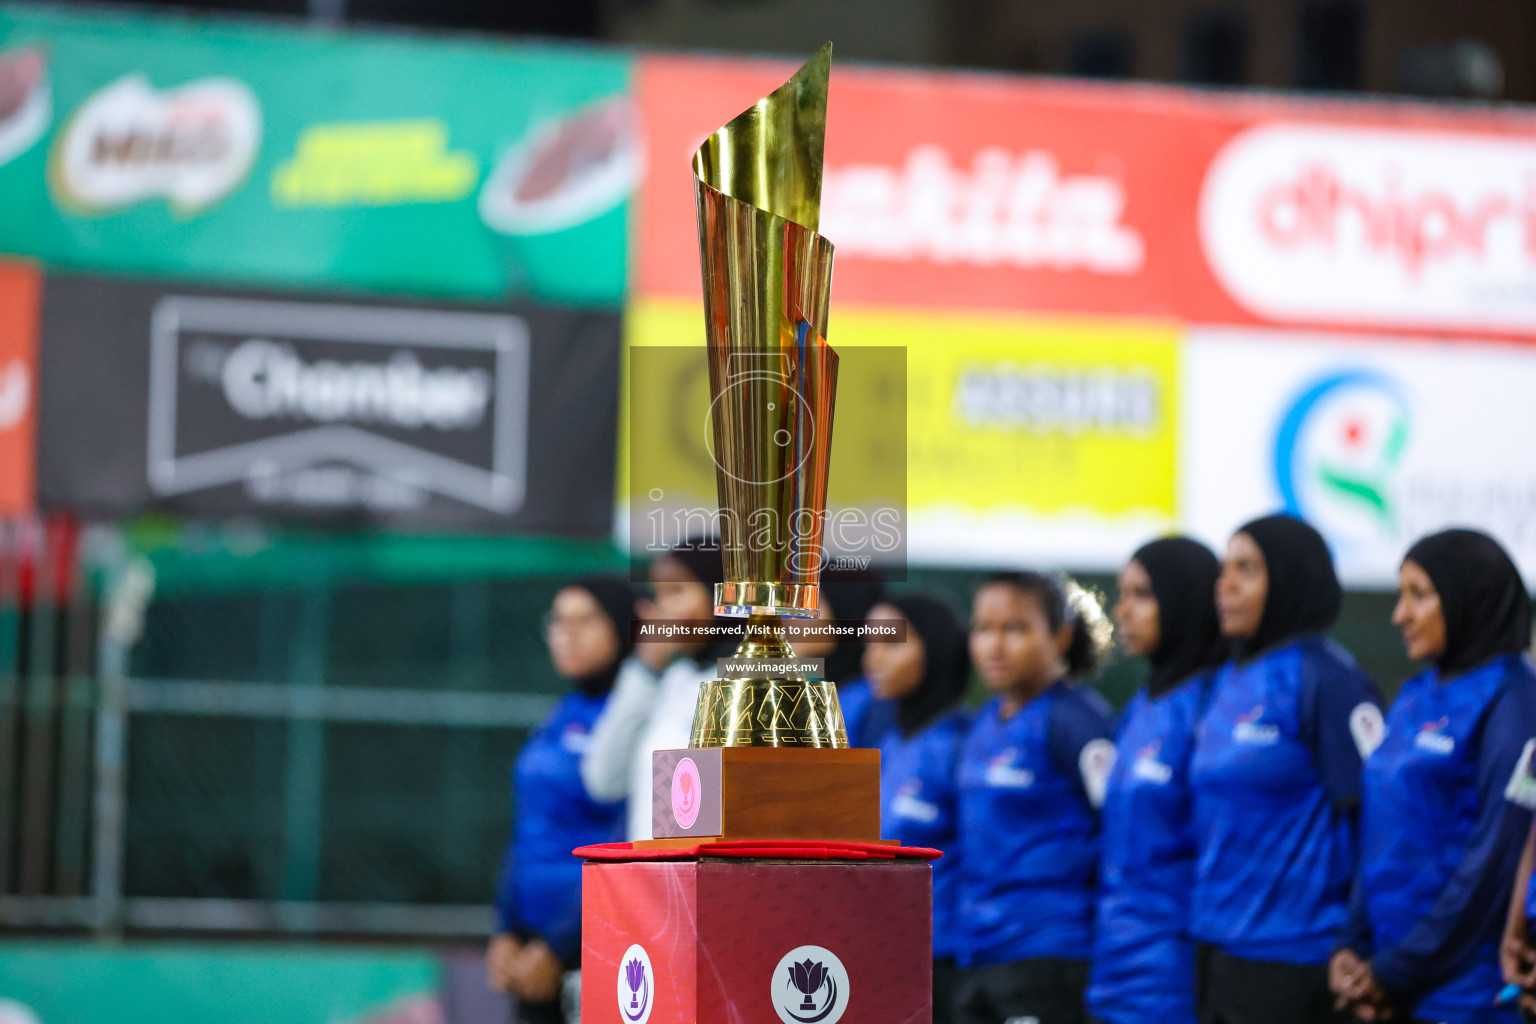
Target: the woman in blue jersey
(923, 680)
(1443, 813)
(848, 595)
(1032, 772)
(538, 898)
(1143, 960)
(1275, 778)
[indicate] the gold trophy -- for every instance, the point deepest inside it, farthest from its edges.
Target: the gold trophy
(773, 381)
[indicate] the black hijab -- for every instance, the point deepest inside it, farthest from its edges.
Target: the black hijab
(1304, 592)
(616, 597)
(1487, 611)
(702, 558)
(946, 661)
(1183, 574)
(704, 561)
(849, 594)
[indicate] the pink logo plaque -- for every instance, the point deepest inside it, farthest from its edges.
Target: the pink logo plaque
(687, 793)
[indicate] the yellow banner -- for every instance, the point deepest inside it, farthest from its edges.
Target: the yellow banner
(1047, 418)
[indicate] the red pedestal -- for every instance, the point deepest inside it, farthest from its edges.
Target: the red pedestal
(756, 942)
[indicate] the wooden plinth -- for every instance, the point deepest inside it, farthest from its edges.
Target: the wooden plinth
(764, 793)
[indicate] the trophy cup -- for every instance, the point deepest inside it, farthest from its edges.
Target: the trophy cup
(700, 922)
(773, 381)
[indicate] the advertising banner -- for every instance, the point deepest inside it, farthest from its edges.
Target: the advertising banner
(20, 299)
(270, 156)
(223, 403)
(1050, 254)
(1025, 439)
(960, 190)
(673, 465)
(1374, 443)
(1035, 442)
(1364, 225)
(947, 190)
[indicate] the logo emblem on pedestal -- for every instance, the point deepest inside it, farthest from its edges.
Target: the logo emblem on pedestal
(810, 986)
(687, 793)
(637, 985)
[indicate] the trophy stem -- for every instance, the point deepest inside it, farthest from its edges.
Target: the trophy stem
(764, 638)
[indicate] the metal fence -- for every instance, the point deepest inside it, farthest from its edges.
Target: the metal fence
(319, 756)
(48, 703)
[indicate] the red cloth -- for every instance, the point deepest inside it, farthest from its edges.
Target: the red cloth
(775, 849)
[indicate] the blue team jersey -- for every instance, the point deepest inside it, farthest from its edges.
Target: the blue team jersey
(865, 716)
(1143, 959)
(919, 806)
(1275, 776)
(540, 888)
(1440, 833)
(1029, 790)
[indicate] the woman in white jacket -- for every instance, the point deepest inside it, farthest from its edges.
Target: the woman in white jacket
(651, 707)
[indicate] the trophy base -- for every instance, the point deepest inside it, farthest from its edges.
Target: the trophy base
(741, 600)
(724, 793)
(768, 713)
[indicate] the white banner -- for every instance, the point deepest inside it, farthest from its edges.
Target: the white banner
(1374, 441)
(1375, 226)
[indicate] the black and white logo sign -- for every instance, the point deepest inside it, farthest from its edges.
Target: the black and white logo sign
(333, 406)
(637, 985)
(810, 986)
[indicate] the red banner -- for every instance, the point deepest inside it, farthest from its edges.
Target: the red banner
(20, 293)
(969, 191)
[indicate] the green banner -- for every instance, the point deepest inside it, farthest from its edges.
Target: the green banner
(211, 559)
(59, 982)
(234, 151)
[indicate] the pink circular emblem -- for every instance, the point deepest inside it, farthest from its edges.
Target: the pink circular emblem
(687, 793)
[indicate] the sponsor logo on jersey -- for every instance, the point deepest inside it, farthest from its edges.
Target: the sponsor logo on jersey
(1367, 727)
(908, 804)
(1094, 763)
(1432, 737)
(1253, 732)
(1148, 768)
(1003, 774)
